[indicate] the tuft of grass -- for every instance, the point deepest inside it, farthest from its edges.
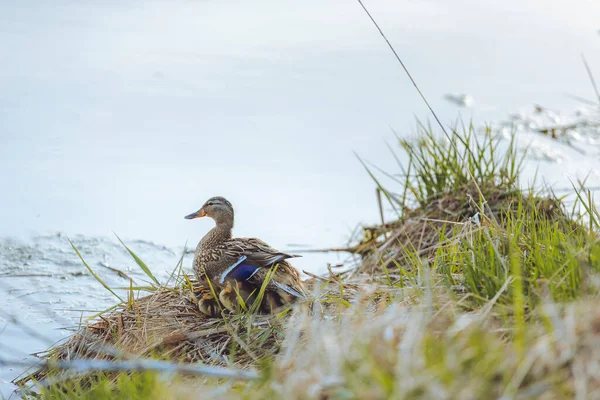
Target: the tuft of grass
(440, 166)
(477, 239)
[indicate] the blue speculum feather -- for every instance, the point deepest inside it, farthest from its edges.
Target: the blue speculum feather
(243, 272)
(239, 271)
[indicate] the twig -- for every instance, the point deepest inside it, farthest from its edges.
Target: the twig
(592, 188)
(582, 100)
(180, 337)
(353, 249)
(315, 276)
(41, 275)
(552, 132)
(137, 365)
(403, 67)
(591, 76)
(552, 129)
(378, 192)
(333, 276)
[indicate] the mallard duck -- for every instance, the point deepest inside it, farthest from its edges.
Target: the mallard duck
(238, 267)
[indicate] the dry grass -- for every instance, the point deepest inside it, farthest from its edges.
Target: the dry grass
(167, 324)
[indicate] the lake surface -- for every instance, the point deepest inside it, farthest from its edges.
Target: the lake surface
(125, 116)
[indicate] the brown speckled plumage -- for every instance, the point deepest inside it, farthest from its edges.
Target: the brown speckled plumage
(218, 251)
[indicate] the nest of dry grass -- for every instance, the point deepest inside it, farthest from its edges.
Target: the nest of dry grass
(167, 324)
(418, 231)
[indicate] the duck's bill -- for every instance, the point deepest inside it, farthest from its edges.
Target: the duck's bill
(198, 214)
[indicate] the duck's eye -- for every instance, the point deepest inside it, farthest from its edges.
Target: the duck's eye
(210, 203)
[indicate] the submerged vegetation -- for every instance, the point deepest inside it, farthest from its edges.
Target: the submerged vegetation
(477, 289)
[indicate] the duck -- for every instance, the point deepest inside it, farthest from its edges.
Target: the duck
(237, 268)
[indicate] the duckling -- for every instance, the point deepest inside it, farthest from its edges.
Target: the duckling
(207, 304)
(238, 267)
(236, 298)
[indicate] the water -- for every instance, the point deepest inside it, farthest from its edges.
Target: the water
(126, 116)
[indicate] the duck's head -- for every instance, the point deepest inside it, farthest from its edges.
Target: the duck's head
(217, 208)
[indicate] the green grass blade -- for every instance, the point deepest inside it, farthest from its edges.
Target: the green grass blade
(92, 271)
(178, 270)
(139, 262)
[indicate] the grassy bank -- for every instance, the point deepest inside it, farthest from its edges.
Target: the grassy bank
(477, 288)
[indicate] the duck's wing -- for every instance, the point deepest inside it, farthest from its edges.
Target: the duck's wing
(246, 256)
(261, 254)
